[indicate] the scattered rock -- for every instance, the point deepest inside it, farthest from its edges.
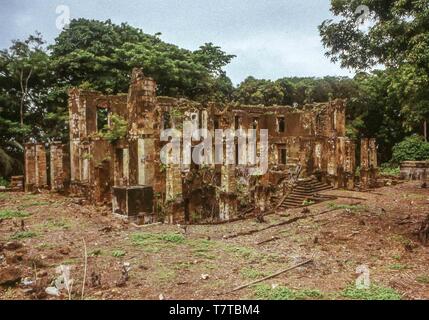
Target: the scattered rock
(52, 291)
(10, 276)
(204, 276)
(161, 297)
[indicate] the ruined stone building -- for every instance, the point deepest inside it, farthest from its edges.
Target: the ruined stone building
(115, 155)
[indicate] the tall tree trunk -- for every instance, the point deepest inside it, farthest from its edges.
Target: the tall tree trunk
(24, 91)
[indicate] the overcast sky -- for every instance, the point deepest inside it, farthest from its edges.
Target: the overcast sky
(271, 38)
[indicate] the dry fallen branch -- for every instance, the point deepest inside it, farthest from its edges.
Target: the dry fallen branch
(250, 232)
(271, 276)
(268, 240)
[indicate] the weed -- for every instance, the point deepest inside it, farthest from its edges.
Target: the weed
(423, 279)
(118, 253)
(251, 273)
(398, 266)
(265, 292)
(153, 242)
(23, 235)
(240, 251)
(164, 274)
(375, 292)
(8, 214)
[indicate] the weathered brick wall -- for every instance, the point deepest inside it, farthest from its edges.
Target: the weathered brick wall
(59, 167)
(35, 167)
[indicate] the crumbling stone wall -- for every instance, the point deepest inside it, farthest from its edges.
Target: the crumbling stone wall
(310, 139)
(35, 167)
(415, 170)
(369, 164)
(59, 167)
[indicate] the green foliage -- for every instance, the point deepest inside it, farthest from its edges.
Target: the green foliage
(8, 214)
(413, 148)
(252, 273)
(118, 253)
(23, 235)
(265, 292)
(117, 129)
(4, 182)
(386, 169)
(154, 238)
(308, 202)
(397, 38)
(423, 279)
(373, 293)
(398, 266)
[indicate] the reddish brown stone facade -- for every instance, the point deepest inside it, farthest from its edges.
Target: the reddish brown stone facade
(35, 167)
(116, 146)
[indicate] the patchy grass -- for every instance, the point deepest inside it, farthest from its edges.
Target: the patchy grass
(45, 245)
(164, 274)
(398, 266)
(308, 202)
(202, 248)
(154, 242)
(375, 292)
(240, 252)
(182, 265)
(401, 239)
(387, 170)
(23, 235)
(251, 273)
(34, 204)
(9, 214)
(118, 253)
(423, 279)
(60, 224)
(265, 292)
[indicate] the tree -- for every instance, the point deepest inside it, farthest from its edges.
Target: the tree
(102, 54)
(397, 38)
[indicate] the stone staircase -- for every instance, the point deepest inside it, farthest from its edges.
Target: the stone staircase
(305, 189)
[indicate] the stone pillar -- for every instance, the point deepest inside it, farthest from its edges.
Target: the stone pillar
(369, 165)
(59, 170)
(35, 167)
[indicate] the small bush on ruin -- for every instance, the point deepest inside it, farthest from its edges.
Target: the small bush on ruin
(117, 129)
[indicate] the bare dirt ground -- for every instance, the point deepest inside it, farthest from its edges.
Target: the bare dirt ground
(376, 229)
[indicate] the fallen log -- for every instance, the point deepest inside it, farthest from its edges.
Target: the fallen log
(271, 276)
